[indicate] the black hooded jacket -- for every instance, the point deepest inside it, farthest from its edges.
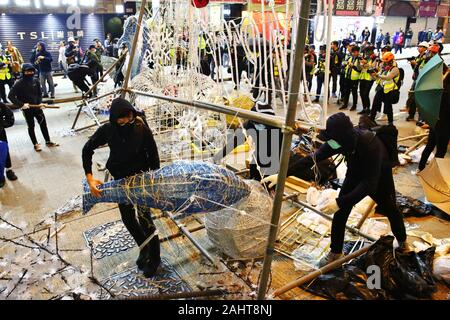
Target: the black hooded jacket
(367, 162)
(26, 90)
(6, 117)
(132, 147)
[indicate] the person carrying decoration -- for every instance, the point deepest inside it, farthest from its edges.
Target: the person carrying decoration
(369, 173)
(132, 150)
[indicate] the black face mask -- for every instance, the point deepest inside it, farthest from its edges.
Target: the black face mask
(28, 77)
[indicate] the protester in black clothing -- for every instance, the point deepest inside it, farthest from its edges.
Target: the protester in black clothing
(6, 121)
(369, 173)
(267, 141)
(26, 94)
(238, 60)
(132, 150)
(439, 136)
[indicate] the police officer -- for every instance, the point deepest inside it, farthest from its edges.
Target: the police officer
(365, 79)
(352, 75)
(320, 71)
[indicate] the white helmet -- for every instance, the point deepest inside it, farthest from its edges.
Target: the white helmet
(71, 39)
(423, 44)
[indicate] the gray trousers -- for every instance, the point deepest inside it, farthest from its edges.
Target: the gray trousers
(47, 77)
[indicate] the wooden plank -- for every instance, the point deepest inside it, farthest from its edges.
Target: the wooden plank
(299, 182)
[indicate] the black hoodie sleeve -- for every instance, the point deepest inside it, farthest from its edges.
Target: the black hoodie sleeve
(297, 164)
(371, 164)
(98, 139)
(12, 96)
(151, 149)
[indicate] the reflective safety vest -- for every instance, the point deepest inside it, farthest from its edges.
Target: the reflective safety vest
(349, 71)
(4, 72)
(320, 66)
(389, 85)
(365, 75)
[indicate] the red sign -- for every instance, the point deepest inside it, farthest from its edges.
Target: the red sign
(443, 10)
(427, 8)
(346, 13)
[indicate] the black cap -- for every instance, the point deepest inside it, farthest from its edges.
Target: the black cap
(28, 67)
(338, 125)
(91, 47)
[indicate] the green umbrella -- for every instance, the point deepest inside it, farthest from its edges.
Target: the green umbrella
(428, 90)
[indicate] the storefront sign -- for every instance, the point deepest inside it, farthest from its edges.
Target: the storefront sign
(443, 10)
(25, 30)
(349, 7)
(427, 8)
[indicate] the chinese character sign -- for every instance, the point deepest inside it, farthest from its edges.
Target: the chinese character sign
(349, 7)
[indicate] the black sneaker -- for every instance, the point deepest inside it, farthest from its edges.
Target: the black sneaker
(363, 111)
(11, 175)
(144, 255)
(419, 123)
(409, 118)
(343, 108)
(2, 182)
(154, 260)
(353, 108)
(45, 96)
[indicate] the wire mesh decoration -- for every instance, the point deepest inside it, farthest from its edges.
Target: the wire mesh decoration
(241, 230)
(184, 187)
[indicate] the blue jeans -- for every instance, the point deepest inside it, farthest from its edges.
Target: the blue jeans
(47, 76)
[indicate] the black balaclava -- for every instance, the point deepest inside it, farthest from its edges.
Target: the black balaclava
(28, 67)
(121, 108)
(340, 128)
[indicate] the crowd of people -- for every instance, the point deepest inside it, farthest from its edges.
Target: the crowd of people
(356, 67)
(30, 82)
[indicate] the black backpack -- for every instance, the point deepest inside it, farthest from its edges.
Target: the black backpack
(388, 134)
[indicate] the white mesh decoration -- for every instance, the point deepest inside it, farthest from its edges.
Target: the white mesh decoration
(241, 231)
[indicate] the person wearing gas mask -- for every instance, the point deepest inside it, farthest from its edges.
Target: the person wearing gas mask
(132, 150)
(27, 94)
(369, 173)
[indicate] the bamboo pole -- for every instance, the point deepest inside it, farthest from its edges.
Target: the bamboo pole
(329, 267)
(294, 86)
(412, 137)
(366, 214)
(413, 147)
(133, 47)
(233, 111)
